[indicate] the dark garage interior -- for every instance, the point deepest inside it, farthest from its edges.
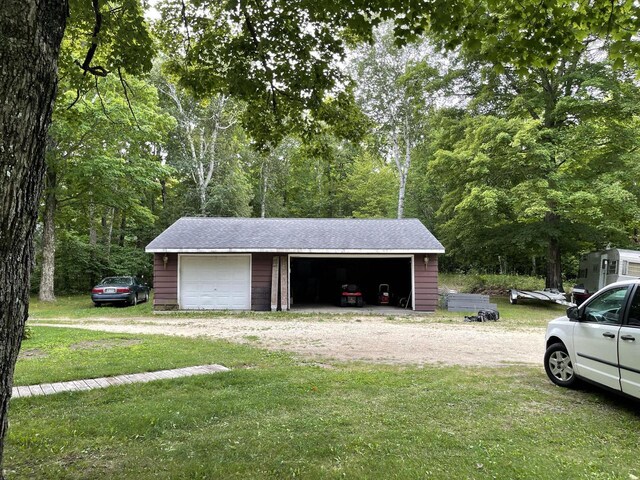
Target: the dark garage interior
(318, 280)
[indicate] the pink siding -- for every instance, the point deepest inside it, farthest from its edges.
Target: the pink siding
(165, 281)
(426, 282)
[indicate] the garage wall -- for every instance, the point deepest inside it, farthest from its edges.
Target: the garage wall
(426, 282)
(261, 281)
(165, 282)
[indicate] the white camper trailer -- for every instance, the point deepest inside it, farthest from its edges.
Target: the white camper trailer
(598, 269)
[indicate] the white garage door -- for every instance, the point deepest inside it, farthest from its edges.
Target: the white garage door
(210, 282)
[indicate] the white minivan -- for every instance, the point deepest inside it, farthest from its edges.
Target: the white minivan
(599, 341)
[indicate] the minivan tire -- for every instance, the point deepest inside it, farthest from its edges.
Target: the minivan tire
(558, 365)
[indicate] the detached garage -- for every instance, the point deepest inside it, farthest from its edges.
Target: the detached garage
(280, 264)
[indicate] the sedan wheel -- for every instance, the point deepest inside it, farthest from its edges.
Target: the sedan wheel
(558, 366)
(134, 300)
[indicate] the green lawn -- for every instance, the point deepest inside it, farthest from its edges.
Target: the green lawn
(55, 354)
(274, 416)
(81, 306)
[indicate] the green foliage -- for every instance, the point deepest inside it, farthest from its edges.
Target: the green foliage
(207, 148)
(118, 44)
(323, 178)
(370, 188)
(528, 35)
(105, 175)
(282, 57)
(80, 265)
(572, 160)
(278, 57)
(489, 283)
(549, 131)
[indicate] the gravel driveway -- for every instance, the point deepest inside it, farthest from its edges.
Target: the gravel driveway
(369, 339)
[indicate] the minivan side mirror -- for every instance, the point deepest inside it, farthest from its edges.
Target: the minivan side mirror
(573, 313)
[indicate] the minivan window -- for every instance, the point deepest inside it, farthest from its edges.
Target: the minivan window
(606, 307)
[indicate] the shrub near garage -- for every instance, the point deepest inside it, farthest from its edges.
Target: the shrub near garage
(488, 283)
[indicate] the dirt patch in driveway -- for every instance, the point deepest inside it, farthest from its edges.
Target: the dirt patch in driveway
(368, 339)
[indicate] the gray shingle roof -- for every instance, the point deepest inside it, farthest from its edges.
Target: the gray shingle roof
(296, 235)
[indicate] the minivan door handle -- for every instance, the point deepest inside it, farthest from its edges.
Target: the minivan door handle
(609, 335)
(628, 337)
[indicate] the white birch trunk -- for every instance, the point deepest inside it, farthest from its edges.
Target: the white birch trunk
(202, 138)
(265, 179)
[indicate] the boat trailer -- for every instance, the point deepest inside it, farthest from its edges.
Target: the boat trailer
(546, 295)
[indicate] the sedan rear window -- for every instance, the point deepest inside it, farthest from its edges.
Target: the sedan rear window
(116, 281)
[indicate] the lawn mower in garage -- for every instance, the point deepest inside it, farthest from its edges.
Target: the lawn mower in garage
(351, 296)
(384, 295)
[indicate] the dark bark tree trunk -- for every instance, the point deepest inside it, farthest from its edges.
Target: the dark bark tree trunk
(163, 184)
(123, 228)
(29, 47)
(554, 260)
(46, 293)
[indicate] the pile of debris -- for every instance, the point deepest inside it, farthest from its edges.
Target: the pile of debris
(487, 315)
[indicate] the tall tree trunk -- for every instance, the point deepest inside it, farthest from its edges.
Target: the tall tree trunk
(202, 190)
(554, 260)
(31, 34)
(163, 184)
(401, 195)
(123, 228)
(403, 169)
(263, 196)
(46, 293)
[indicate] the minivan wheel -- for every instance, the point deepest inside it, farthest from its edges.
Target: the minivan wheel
(558, 366)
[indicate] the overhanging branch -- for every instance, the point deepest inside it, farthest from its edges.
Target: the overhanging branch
(86, 66)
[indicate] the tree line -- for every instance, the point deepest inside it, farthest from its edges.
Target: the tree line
(516, 169)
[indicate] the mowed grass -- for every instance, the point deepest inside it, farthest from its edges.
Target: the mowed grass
(55, 354)
(81, 306)
(277, 416)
